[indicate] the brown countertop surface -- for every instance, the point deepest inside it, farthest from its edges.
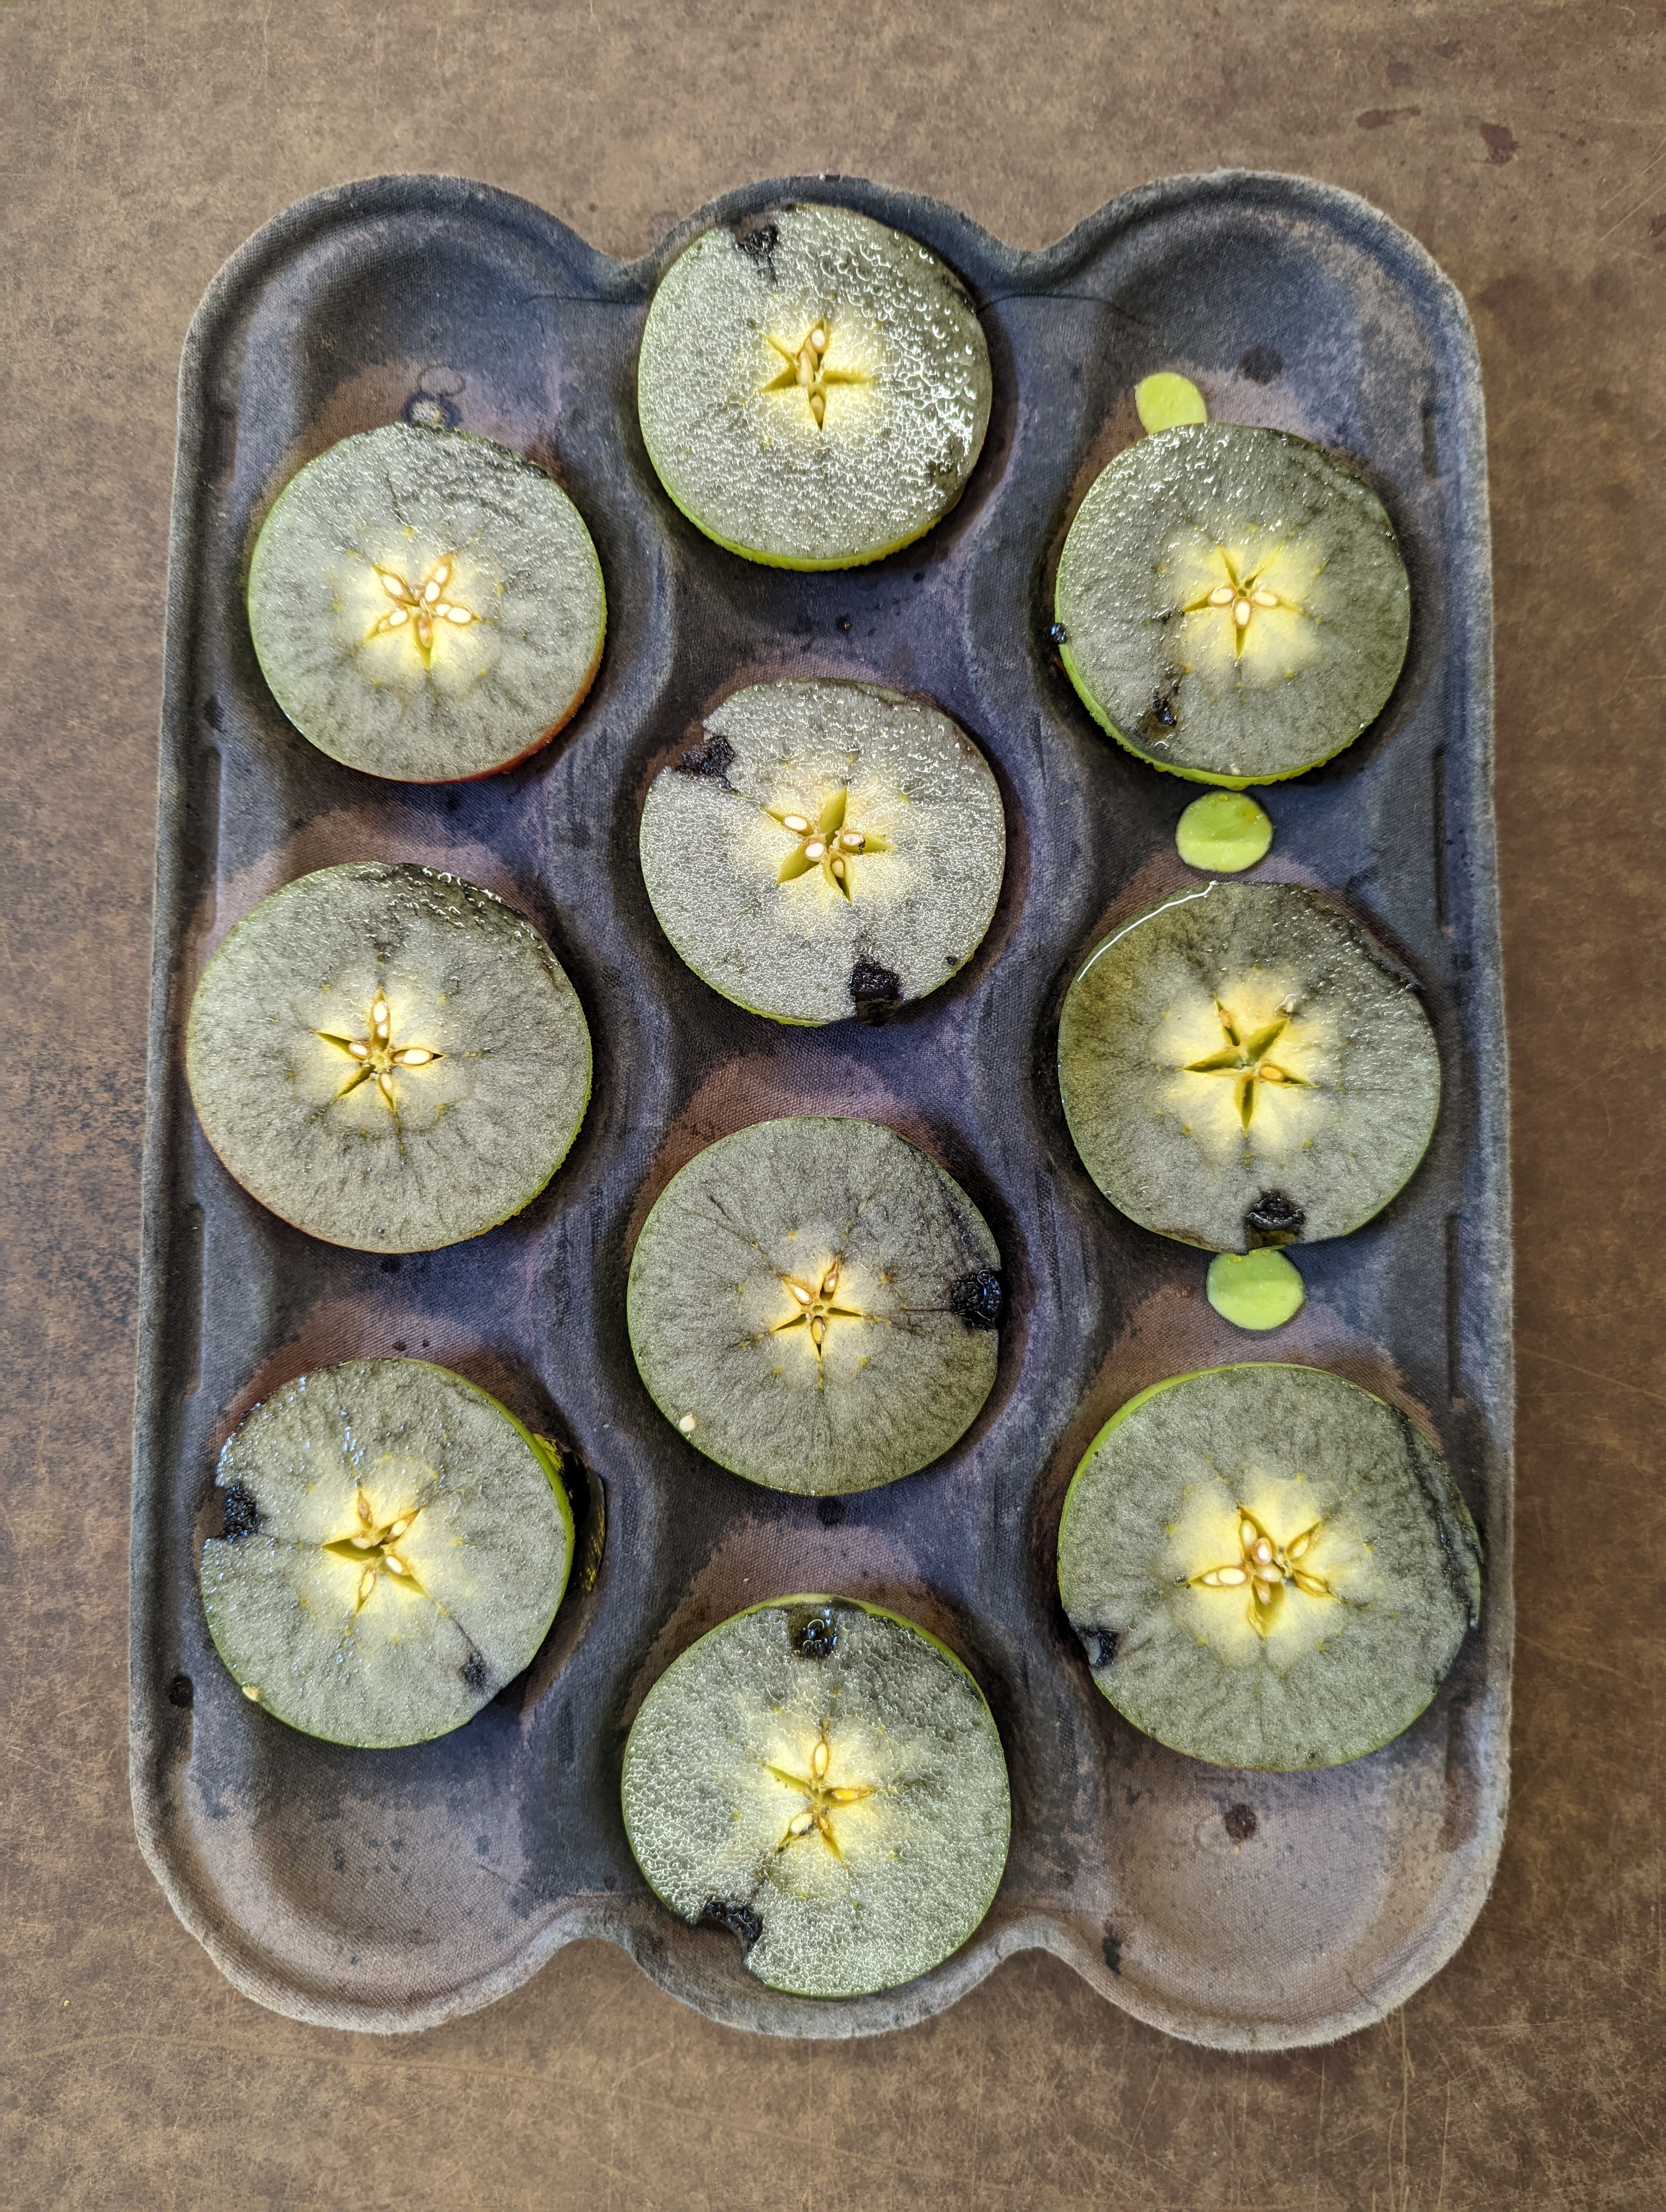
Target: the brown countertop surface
(1526, 146)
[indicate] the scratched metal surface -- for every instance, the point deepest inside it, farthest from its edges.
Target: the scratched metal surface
(394, 1891)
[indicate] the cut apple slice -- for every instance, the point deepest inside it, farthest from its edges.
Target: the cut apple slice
(814, 1304)
(813, 388)
(1233, 603)
(1266, 1566)
(826, 1780)
(1244, 1067)
(833, 848)
(426, 606)
(388, 1057)
(395, 1546)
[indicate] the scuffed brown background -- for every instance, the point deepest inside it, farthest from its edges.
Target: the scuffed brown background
(1526, 146)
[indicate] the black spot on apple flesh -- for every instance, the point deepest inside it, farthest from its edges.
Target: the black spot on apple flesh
(1239, 1822)
(759, 244)
(739, 1919)
(1058, 635)
(875, 991)
(473, 1671)
(977, 1299)
(816, 1636)
(1157, 722)
(242, 1515)
(716, 757)
(1100, 1646)
(1273, 1219)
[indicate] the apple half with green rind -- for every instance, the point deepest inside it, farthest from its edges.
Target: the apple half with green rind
(833, 848)
(1234, 604)
(814, 1303)
(826, 1780)
(395, 1546)
(813, 387)
(1266, 1566)
(1244, 1066)
(425, 604)
(388, 1056)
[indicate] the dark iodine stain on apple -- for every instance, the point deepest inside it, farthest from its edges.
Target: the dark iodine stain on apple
(875, 990)
(1274, 1219)
(1157, 723)
(1100, 1646)
(739, 1919)
(714, 758)
(473, 1671)
(978, 1298)
(759, 244)
(242, 1515)
(814, 1631)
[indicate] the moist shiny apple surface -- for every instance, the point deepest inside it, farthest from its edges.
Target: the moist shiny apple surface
(426, 606)
(395, 1546)
(813, 390)
(826, 1780)
(832, 848)
(1266, 1566)
(388, 1057)
(1234, 603)
(814, 1304)
(1243, 1065)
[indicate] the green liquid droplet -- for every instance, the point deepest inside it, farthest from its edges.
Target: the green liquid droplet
(1255, 1289)
(1166, 400)
(1224, 832)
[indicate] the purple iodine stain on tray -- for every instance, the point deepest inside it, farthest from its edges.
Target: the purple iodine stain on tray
(393, 1890)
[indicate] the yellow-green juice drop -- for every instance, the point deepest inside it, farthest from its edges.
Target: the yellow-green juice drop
(1224, 833)
(1255, 1289)
(1165, 399)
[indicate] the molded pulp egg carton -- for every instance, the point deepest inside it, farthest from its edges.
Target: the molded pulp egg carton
(394, 1890)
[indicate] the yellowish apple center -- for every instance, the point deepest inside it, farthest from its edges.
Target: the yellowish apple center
(1244, 591)
(373, 1546)
(423, 609)
(827, 841)
(815, 1306)
(377, 1056)
(824, 1798)
(805, 366)
(1266, 1569)
(1246, 1058)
